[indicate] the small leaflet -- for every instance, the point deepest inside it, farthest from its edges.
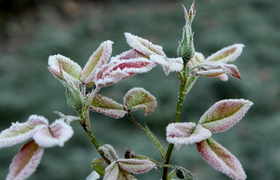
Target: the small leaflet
(107, 106)
(227, 54)
(137, 98)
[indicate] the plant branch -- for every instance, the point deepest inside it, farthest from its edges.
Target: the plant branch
(147, 131)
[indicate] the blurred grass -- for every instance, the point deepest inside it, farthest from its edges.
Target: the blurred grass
(33, 30)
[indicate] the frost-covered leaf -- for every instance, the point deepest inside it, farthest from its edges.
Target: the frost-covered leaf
(168, 64)
(137, 98)
(136, 166)
(224, 114)
(186, 133)
(109, 152)
(130, 54)
(226, 54)
(55, 135)
(221, 159)
(231, 70)
(116, 71)
(64, 66)
(143, 45)
(25, 162)
(107, 106)
(100, 57)
(111, 171)
(20, 132)
(210, 72)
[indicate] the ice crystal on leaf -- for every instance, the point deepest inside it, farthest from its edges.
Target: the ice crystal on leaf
(221, 159)
(186, 133)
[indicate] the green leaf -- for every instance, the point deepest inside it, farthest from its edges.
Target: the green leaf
(107, 106)
(97, 167)
(138, 98)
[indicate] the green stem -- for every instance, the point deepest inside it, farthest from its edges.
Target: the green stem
(147, 131)
(177, 119)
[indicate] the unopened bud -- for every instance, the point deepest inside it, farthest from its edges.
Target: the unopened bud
(186, 47)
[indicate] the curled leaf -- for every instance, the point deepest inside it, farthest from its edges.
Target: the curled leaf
(227, 54)
(137, 98)
(221, 159)
(107, 106)
(186, 133)
(224, 114)
(136, 166)
(68, 69)
(55, 135)
(25, 162)
(20, 132)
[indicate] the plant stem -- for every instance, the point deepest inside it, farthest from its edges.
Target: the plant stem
(177, 118)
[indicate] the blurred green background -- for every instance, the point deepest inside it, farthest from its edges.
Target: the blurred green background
(31, 30)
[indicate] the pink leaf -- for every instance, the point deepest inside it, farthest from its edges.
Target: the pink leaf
(116, 71)
(224, 114)
(186, 133)
(210, 72)
(226, 54)
(231, 70)
(25, 162)
(111, 171)
(137, 98)
(55, 135)
(100, 57)
(20, 132)
(130, 54)
(107, 106)
(143, 46)
(221, 159)
(136, 166)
